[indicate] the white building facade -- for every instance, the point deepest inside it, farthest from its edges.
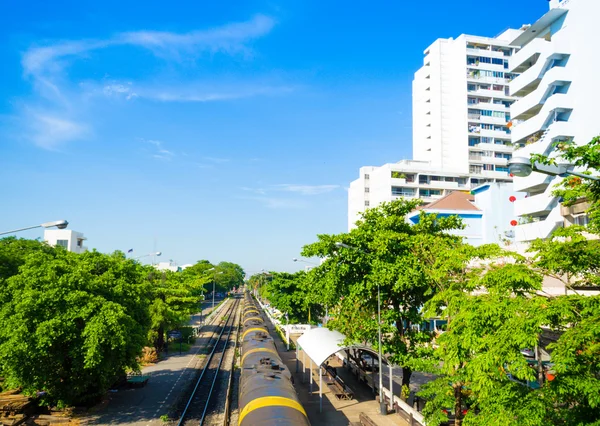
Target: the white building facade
(461, 105)
(485, 211)
(558, 93)
(461, 135)
(67, 238)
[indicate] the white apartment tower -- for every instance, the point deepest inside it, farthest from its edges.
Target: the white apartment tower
(461, 130)
(461, 105)
(558, 90)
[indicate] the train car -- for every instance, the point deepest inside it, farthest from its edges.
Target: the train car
(267, 395)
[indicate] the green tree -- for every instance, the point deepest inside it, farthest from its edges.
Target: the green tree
(13, 253)
(573, 188)
(403, 260)
(287, 292)
(71, 324)
(492, 315)
(175, 297)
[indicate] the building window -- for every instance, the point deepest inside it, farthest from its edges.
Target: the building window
(367, 204)
(62, 243)
(430, 192)
(498, 87)
(367, 189)
(488, 167)
(581, 220)
(501, 169)
(79, 242)
(475, 169)
(403, 192)
(366, 177)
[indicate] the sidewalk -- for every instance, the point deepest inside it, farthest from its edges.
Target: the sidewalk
(168, 378)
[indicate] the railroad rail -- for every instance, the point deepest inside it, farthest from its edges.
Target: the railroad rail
(199, 403)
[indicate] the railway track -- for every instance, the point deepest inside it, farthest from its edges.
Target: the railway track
(211, 388)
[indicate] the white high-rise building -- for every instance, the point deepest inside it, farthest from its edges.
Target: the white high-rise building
(461, 135)
(559, 88)
(461, 105)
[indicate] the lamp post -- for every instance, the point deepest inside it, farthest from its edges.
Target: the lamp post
(214, 281)
(156, 253)
(382, 406)
(60, 224)
(522, 167)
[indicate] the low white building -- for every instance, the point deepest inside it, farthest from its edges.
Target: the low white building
(558, 93)
(407, 179)
(486, 212)
(67, 238)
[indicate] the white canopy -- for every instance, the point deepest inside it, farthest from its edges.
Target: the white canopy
(320, 343)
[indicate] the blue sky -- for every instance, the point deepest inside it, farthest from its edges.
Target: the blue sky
(214, 131)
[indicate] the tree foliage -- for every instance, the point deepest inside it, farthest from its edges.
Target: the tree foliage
(71, 324)
(574, 188)
(288, 293)
(407, 263)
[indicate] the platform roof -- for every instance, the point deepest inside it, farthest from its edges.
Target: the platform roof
(320, 343)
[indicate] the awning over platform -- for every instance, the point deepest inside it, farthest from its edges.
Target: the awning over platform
(320, 343)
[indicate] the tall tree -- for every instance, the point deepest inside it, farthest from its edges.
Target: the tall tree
(71, 324)
(175, 296)
(398, 259)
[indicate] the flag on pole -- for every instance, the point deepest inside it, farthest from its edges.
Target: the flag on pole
(130, 251)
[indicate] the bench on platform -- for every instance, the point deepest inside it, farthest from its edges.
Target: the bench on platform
(137, 380)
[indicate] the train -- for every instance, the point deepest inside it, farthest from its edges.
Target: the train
(266, 392)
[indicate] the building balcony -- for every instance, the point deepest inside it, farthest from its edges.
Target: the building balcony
(546, 54)
(520, 61)
(559, 102)
(536, 205)
(475, 78)
(535, 182)
(486, 52)
(494, 147)
(489, 133)
(553, 80)
(541, 229)
(403, 182)
(558, 130)
(494, 174)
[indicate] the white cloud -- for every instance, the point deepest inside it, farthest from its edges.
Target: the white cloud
(306, 189)
(216, 160)
(45, 66)
(278, 203)
(119, 89)
(229, 38)
(50, 132)
(160, 152)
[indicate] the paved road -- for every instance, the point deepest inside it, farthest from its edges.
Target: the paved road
(144, 406)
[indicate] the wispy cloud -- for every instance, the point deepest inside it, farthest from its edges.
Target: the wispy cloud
(50, 132)
(56, 98)
(278, 203)
(230, 38)
(306, 189)
(216, 160)
(297, 189)
(159, 151)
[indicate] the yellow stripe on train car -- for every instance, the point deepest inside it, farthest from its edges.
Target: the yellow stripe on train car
(270, 401)
(253, 329)
(255, 350)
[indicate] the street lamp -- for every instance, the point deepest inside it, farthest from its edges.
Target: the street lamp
(382, 406)
(305, 261)
(522, 167)
(156, 253)
(214, 280)
(60, 224)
